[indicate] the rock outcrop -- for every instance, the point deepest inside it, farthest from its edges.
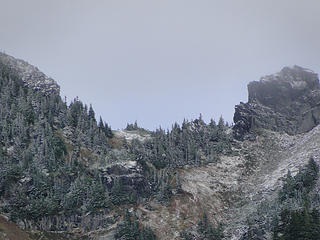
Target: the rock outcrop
(31, 76)
(288, 101)
(130, 175)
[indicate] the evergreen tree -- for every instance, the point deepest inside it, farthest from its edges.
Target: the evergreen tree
(130, 229)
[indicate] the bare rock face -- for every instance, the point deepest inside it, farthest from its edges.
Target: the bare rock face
(129, 173)
(31, 76)
(288, 101)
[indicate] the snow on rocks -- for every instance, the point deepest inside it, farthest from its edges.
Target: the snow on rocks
(31, 76)
(130, 135)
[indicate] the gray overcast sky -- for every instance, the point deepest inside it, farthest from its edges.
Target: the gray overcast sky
(164, 60)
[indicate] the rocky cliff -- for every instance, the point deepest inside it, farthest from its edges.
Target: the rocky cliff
(288, 101)
(31, 76)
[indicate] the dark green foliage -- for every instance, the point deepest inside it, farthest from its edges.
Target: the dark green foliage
(10, 174)
(105, 128)
(97, 197)
(49, 198)
(194, 143)
(35, 203)
(120, 195)
(310, 176)
(13, 173)
(91, 113)
(108, 131)
(289, 215)
(85, 194)
(29, 114)
(132, 127)
(59, 147)
(302, 183)
(165, 193)
(130, 229)
(38, 176)
(298, 225)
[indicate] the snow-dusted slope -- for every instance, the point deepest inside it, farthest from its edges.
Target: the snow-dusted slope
(232, 189)
(130, 135)
(30, 75)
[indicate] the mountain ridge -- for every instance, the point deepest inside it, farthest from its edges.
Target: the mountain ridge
(65, 175)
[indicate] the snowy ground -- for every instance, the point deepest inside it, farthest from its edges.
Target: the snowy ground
(130, 135)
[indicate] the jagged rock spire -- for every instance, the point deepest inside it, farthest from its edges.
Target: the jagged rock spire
(287, 101)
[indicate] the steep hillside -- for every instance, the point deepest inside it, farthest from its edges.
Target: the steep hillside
(236, 187)
(65, 175)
